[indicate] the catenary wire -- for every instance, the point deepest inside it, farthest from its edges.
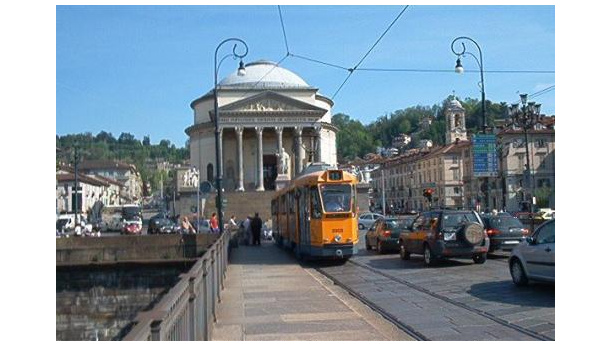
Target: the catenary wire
(283, 30)
(351, 70)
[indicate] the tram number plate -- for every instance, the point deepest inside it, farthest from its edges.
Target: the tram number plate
(337, 230)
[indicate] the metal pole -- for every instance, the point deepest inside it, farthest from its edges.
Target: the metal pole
(75, 186)
(382, 192)
(217, 126)
(485, 126)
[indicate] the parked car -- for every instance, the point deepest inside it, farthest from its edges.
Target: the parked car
(504, 232)
(383, 234)
(203, 226)
(132, 225)
(162, 226)
(156, 221)
(534, 259)
(443, 234)
(367, 219)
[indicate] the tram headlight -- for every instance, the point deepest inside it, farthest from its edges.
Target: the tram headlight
(337, 238)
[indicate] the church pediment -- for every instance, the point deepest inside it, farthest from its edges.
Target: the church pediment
(270, 102)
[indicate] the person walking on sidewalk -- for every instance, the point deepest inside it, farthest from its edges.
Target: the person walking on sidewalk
(214, 223)
(247, 234)
(256, 225)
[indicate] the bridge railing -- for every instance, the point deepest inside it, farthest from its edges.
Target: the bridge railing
(188, 309)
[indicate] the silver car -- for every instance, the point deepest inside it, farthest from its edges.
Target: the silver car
(367, 219)
(534, 259)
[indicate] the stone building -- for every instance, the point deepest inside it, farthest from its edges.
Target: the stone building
(449, 170)
(126, 174)
(513, 162)
(261, 114)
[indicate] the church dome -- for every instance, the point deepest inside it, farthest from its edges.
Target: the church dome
(264, 74)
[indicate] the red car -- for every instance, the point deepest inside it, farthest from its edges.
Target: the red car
(132, 228)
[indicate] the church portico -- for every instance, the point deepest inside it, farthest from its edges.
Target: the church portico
(266, 134)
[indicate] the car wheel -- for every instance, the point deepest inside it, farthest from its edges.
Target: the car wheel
(479, 258)
(380, 248)
(404, 254)
(360, 227)
(429, 259)
(518, 273)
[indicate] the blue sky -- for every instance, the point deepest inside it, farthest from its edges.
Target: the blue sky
(136, 69)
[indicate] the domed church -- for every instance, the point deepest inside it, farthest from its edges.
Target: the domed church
(271, 122)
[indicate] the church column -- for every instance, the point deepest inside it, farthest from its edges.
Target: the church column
(239, 131)
(318, 143)
(259, 159)
(278, 132)
(298, 151)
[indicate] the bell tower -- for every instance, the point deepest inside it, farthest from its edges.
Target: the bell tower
(455, 118)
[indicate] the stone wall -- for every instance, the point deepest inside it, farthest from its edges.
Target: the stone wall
(82, 250)
(100, 301)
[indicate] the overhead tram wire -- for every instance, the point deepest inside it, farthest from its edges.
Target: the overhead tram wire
(542, 92)
(449, 70)
(539, 93)
(351, 70)
(318, 61)
(283, 30)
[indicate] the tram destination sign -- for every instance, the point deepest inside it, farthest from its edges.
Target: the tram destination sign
(485, 157)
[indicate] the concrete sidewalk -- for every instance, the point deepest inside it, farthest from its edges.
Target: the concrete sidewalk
(269, 296)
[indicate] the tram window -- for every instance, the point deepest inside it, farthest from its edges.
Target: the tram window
(274, 207)
(336, 197)
(291, 202)
(316, 207)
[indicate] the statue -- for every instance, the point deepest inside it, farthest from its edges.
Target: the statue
(283, 162)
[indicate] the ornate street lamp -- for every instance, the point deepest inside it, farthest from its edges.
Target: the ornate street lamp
(526, 117)
(241, 72)
(460, 69)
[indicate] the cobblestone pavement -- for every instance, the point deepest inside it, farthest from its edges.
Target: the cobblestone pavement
(455, 300)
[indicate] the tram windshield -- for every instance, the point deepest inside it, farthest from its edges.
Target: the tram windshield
(336, 197)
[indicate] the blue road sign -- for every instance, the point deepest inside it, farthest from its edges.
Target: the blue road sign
(485, 158)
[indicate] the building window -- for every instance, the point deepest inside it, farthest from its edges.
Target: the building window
(519, 142)
(454, 159)
(456, 175)
(521, 164)
(540, 143)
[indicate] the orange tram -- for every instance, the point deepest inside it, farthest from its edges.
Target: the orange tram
(316, 215)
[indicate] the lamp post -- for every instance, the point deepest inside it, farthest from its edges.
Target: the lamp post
(460, 69)
(241, 71)
(526, 117)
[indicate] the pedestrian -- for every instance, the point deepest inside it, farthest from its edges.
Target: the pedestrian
(256, 225)
(214, 223)
(232, 223)
(186, 226)
(247, 230)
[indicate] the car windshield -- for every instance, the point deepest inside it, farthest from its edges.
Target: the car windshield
(505, 222)
(165, 222)
(454, 220)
